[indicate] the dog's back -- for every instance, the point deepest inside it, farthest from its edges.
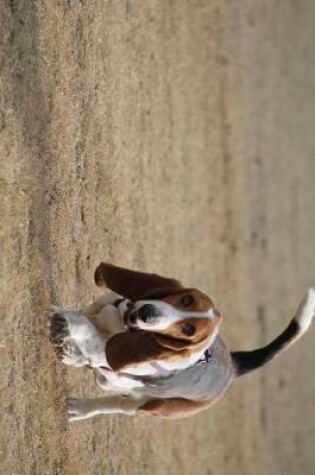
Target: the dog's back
(204, 380)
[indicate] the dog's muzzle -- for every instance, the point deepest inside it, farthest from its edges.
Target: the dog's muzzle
(130, 317)
(148, 313)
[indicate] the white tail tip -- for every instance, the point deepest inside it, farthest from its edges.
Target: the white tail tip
(306, 310)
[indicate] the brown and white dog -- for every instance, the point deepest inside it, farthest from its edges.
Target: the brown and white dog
(154, 346)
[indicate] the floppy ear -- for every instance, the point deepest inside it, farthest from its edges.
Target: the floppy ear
(133, 284)
(175, 344)
(125, 349)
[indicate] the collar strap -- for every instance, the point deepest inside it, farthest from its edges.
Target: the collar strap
(205, 358)
(160, 368)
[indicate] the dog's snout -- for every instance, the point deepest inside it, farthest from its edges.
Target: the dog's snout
(148, 312)
(132, 318)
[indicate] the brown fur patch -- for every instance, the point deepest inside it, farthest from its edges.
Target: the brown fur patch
(131, 284)
(204, 327)
(201, 302)
(174, 408)
(126, 349)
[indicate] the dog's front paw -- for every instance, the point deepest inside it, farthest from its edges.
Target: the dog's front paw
(78, 409)
(59, 331)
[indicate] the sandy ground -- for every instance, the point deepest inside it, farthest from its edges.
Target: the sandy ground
(169, 136)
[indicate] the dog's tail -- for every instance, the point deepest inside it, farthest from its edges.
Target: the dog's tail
(247, 361)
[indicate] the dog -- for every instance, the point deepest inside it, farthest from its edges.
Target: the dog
(154, 346)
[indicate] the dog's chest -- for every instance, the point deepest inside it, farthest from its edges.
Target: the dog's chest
(108, 321)
(109, 380)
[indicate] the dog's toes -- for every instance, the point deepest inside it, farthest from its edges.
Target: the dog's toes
(58, 331)
(59, 327)
(54, 310)
(68, 348)
(59, 352)
(75, 409)
(72, 410)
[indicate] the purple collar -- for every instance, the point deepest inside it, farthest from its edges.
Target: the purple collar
(205, 358)
(160, 368)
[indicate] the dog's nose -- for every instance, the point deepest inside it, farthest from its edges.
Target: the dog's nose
(148, 312)
(132, 318)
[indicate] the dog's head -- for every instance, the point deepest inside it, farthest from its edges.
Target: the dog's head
(169, 321)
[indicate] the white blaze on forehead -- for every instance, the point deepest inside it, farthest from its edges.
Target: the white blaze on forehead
(169, 315)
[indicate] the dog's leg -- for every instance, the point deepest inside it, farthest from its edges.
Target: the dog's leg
(105, 316)
(96, 307)
(114, 383)
(76, 340)
(84, 408)
(64, 346)
(173, 408)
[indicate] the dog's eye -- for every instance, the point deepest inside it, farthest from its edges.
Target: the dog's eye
(187, 300)
(188, 329)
